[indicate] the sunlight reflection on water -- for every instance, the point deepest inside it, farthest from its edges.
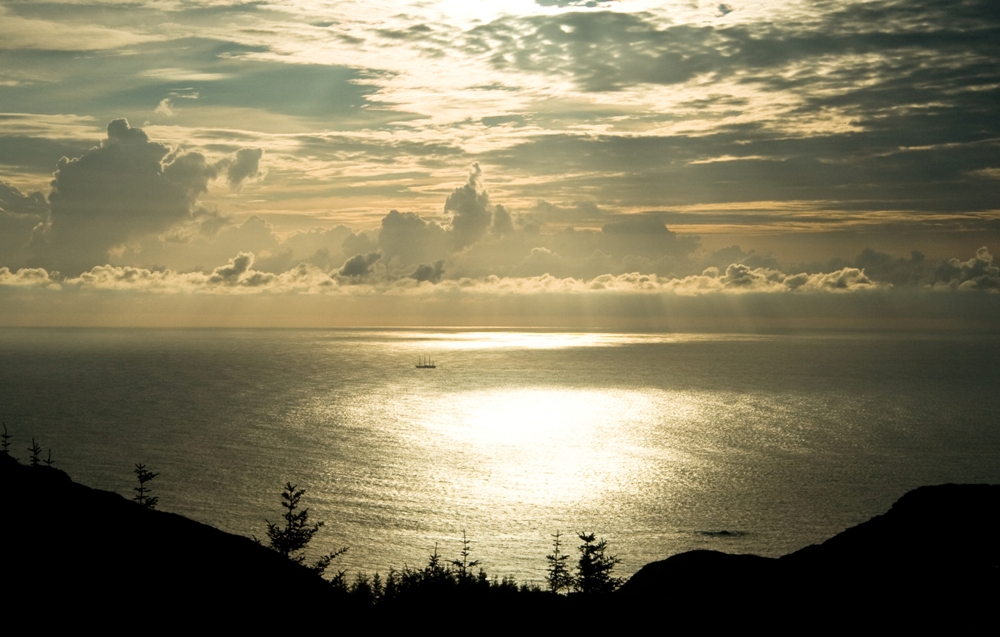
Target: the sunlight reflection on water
(547, 340)
(540, 446)
(649, 440)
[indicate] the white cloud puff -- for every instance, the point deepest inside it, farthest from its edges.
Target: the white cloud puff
(29, 277)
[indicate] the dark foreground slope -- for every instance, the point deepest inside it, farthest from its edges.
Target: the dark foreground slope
(934, 557)
(71, 554)
(70, 551)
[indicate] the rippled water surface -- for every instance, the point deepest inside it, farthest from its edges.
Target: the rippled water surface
(656, 442)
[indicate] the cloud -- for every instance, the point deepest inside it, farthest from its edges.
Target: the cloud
(127, 188)
(27, 33)
(735, 297)
(29, 277)
(20, 214)
(503, 222)
(13, 201)
(644, 235)
(577, 212)
(309, 241)
(239, 275)
(469, 205)
(863, 106)
(359, 265)
(412, 239)
(543, 261)
(236, 277)
(165, 108)
(978, 273)
(431, 273)
(572, 3)
(234, 270)
(242, 166)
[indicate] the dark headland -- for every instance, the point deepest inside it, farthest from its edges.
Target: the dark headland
(76, 555)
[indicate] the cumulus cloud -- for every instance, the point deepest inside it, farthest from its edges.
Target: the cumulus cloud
(483, 239)
(360, 264)
(13, 201)
(412, 239)
(242, 166)
(20, 214)
(127, 188)
(470, 208)
(432, 273)
(978, 273)
(358, 243)
(542, 261)
(503, 222)
(644, 235)
(29, 277)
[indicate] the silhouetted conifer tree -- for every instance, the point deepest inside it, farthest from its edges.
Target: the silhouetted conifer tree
(462, 565)
(142, 491)
(434, 572)
(594, 568)
(5, 437)
(378, 587)
(558, 576)
(291, 539)
(35, 450)
(48, 461)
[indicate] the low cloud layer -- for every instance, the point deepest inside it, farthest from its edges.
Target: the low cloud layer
(239, 275)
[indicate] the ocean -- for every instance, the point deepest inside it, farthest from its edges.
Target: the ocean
(659, 443)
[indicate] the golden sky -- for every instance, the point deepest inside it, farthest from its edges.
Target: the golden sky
(549, 162)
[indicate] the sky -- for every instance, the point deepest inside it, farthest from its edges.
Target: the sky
(552, 163)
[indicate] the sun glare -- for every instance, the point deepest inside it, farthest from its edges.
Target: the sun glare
(540, 445)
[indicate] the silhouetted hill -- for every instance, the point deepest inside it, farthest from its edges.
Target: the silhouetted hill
(933, 557)
(79, 554)
(76, 555)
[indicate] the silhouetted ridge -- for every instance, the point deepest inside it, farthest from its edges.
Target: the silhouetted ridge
(80, 551)
(85, 556)
(932, 557)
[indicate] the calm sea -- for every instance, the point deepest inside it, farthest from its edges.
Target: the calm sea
(660, 443)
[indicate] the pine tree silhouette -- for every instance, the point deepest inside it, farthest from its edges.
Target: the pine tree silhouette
(35, 450)
(5, 437)
(142, 491)
(558, 576)
(291, 539)
(594, 568)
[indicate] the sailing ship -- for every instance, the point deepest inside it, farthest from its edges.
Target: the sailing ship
(426, 363)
